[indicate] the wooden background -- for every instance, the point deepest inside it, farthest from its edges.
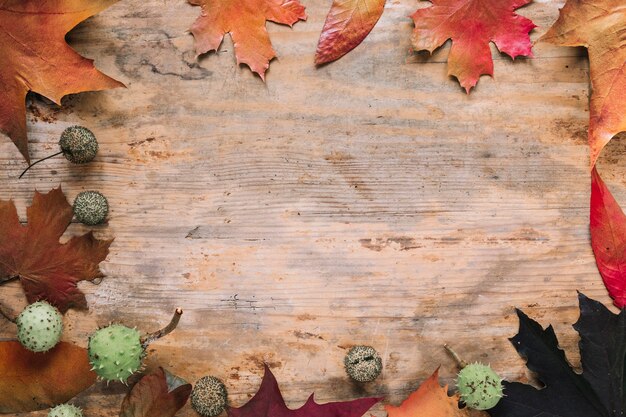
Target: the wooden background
(368, 201)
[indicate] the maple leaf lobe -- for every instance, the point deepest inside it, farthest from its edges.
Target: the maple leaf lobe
(472, 25)
(37, 58)
(245, 22)
(47, 269)
(430, 399)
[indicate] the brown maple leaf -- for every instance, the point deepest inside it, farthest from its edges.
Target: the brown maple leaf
(430, 399)
(245, 21)
(159, 394)
(33, 381)
(35, 57)
(599, 26)
(47, 269)
(472, 25)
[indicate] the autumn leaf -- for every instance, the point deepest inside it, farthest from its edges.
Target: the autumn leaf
(159, 394)
(599, 26)
(597, 392)
(245, 21)
(269, 402)
(430, 400)
(33, 381)
(36, 58)
(472, 25)
(47, 269)
(347, 24)
(607, 224)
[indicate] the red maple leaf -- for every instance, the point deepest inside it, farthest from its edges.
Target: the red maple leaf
(245, 21)
(269, 402)
(472, 25)
(47, 269)
(35, 57)
(607, 224)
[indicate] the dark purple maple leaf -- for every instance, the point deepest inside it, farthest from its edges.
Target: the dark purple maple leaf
(269, 402)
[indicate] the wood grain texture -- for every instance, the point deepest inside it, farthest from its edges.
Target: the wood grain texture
(367, 201)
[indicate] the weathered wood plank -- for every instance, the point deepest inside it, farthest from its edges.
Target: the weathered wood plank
(367, 201)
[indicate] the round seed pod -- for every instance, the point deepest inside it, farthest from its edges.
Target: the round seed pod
(115, 352)
(78, 144)
(91, 208)
(209, 396)
(39, 327)
(480, 387)
(65, 410)
(363, 364)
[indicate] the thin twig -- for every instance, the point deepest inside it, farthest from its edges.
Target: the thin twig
(36, 162)
(460, 362)
(151, 337)
(6, 316)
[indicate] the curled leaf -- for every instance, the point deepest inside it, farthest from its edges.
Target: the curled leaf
(347, 24)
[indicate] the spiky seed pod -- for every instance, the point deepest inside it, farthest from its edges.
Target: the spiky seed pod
(78, 144)
(480, 387)
(209, 397)
(363, 364)
(39, 327)
(91, 208)
(115, 352)
(65, 410)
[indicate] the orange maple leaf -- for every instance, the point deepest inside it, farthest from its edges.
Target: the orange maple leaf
(245, 21)
(347, 24)
(430, 400)
(472, 25)
(47, 269)
(35, 57)
(599, 26)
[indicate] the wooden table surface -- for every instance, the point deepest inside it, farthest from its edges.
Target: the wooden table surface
(370, 201)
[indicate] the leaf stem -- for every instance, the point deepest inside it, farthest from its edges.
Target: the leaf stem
(459, 362)
(151, 337)
(36, 162)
